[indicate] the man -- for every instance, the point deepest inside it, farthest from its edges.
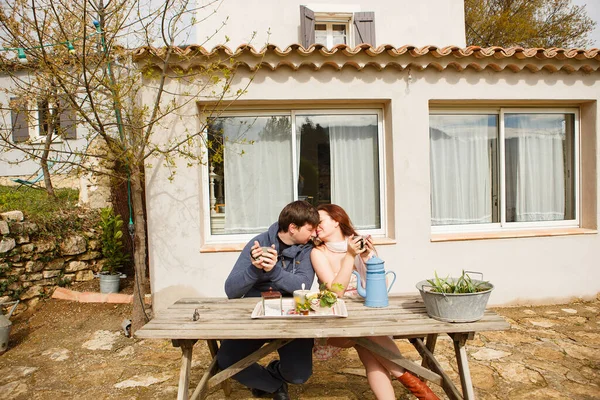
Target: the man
(284, 268)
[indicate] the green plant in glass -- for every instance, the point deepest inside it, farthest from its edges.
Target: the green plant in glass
(326, 297)
(112, 241)
(462, 284)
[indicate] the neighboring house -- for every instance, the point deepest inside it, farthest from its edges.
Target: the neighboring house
(24, 123)
(452, 158)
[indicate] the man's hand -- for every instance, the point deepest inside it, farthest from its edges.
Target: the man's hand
(255, 255)
(263, 260)
(269, 259)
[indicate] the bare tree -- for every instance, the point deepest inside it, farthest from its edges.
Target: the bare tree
(81, 59)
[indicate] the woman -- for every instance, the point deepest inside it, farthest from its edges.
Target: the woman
(333, 261)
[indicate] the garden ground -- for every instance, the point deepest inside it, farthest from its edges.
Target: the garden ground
(73, 350)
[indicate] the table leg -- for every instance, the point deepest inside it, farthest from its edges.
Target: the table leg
(213, 347)
(430, 344)
(447, 384)
(463, 364)
(187, 347)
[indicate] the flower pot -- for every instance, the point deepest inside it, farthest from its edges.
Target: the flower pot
(109, 283)
(455, 307)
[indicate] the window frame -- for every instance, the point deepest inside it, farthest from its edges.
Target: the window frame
(211, 239)
(330, 19)
(49, 108)
(36, 129)
(503, 225)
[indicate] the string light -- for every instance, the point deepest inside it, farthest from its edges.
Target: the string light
(21, 51)
(21, 55)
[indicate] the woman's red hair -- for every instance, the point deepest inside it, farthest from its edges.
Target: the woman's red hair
(338, 214)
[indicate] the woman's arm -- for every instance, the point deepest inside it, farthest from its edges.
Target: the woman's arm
(325, 272)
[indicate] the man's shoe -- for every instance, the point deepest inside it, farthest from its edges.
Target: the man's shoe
(282, 393)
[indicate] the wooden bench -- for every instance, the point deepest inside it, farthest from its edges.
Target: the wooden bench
(213, 319)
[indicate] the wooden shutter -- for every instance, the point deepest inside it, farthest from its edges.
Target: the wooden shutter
(67, 118)
(19, 120)
(307, 26)
(364, 28)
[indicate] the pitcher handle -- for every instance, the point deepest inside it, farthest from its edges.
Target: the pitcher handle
(393, 280)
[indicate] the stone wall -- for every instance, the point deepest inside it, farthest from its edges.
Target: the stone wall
(31, 267)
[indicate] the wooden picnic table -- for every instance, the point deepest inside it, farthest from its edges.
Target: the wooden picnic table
(214, 319)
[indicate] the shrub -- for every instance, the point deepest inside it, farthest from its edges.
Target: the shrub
(55, 217)
(112, 240)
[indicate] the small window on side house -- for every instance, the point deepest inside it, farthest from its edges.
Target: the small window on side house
(33, 122)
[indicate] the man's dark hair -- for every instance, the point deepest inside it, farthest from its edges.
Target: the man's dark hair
(299, 213)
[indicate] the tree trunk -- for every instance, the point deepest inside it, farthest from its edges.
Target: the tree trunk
(44, 159)
(139, 317)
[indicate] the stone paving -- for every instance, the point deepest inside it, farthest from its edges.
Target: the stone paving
(77, 351)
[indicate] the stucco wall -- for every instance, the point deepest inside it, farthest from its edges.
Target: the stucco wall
(538, 269)
(398, 22)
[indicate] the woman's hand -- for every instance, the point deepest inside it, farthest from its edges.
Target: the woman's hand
(354, 246)
(369, 248)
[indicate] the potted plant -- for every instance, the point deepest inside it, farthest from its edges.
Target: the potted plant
(112, 250)
(461, 299)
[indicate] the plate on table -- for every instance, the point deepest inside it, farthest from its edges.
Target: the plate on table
(289, 311)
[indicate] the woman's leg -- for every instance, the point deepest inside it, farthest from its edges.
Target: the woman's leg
(388, 343)
(411, 382)
(377, 375)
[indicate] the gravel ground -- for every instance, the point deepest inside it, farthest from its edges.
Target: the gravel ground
(72, 350)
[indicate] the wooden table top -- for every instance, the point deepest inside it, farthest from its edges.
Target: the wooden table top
(221, 318)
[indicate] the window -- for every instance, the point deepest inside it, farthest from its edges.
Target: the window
(331, 33)
(330, 28)
(259, 162)
(32, 123)
(510, 168)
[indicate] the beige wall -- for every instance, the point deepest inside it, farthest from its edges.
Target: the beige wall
(536, 269)
(398, 22)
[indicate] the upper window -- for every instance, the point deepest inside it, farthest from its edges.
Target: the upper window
(332, 28)
(331, 33)
(503, 169)
(33, 122)
(259, 162)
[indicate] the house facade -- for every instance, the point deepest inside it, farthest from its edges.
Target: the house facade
(452, 158)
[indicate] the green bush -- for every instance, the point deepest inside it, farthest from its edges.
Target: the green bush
(112, 240)
(55, 217)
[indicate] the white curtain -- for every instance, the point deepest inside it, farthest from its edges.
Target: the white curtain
(355, 169)
(258, 171)
(460, 169)
(535, 177)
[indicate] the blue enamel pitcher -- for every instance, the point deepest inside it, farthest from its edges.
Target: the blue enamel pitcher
(376, 292)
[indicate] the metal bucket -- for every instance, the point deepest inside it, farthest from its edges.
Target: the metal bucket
(6, 325)
(455, 307)
(109, 283)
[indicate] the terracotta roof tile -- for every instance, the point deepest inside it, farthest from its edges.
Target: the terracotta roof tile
(385, 56)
